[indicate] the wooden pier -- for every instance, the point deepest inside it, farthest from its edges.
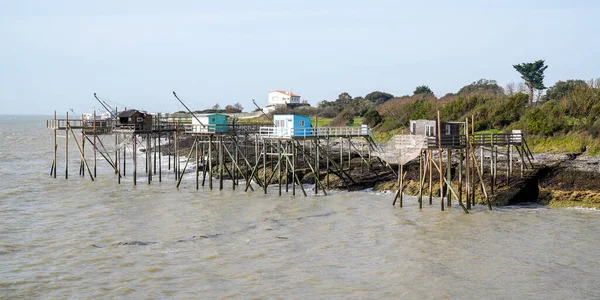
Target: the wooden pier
(255, 156)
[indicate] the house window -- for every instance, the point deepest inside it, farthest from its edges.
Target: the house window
(213, 119)
(447, 129)
(301, 123)
(429, 130)
(139, 119)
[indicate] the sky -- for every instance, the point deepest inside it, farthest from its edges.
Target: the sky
(55, 55)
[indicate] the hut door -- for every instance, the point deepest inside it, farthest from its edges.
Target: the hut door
(290, 126)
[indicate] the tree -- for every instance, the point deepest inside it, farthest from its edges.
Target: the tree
(563, 88)
(422, 89)
(372, 118)
(216, 107)
(482, 86)
(378, 97)
(238, 106)
(232, 109)
(343, 99)
(533, 74)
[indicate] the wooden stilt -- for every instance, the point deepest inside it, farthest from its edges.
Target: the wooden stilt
(95, 149)
(327, 163)
(81, 167)
(317, 166)
(430, 184)
(67, 147)
(293, 163)
(467, 165)
(55, 143)
(279, 154)
(449, 176)
(197, 164)
(210, 169)
(264, 155)
(421, 175)
(460, 175)
(159, 157)
(134, 159)
(439, 135)
(221, 162)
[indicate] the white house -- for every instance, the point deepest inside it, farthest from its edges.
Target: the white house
(279, 97)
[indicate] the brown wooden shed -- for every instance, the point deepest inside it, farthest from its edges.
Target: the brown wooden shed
(135, 120)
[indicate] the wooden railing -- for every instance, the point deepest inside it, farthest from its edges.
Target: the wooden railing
(460, 141)
(280, 132)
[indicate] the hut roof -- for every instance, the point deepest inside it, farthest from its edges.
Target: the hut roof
(128, 113)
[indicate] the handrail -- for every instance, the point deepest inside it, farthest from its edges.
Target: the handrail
(280, 132)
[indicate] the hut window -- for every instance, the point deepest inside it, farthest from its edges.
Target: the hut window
(139, 119)
(429, 130)
(301, 123)
(447, 129)
(213, 119)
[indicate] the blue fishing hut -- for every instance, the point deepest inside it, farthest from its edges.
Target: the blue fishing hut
(291, 126)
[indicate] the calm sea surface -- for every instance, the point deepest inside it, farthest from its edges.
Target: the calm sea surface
(81, 239)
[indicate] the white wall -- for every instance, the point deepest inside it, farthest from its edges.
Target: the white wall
(280, 98)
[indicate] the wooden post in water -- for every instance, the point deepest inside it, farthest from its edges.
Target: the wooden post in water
(176, 152)
(124, 158)
(279, 164)
(287, 173)
(449, 176)
(221, 160)
(467, 168)
(264, 155)
(117, 165)
(159, 156)
(430, 185)
(210, 170)
(294, 157)
(149, 157)
(95, 148)
(421, 177)
(134, 158)
(55, 144)
(460, 175)
(327, 162)
(439, 136)
(317, 166)
(492, 168)
(81, 165)
(473, 166)
(197, 164)
(154, 139)
(67, 147)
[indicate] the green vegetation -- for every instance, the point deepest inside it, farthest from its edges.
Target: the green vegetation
(565, 119)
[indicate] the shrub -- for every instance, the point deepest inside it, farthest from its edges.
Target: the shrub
(372, 118)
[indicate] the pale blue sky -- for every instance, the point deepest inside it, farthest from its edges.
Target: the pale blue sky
(56, 54)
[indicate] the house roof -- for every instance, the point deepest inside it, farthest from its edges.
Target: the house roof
(129, 113)
(286, 93)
